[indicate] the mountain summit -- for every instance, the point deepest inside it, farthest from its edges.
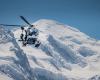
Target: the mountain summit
(65, 53)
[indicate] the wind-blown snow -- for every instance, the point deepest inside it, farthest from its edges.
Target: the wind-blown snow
(65, 54)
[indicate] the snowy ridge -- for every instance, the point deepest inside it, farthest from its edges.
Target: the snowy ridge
(96, 77)
(19, 68)
(5, 35)
(65, 54)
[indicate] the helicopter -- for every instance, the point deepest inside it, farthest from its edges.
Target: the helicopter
(31, 31)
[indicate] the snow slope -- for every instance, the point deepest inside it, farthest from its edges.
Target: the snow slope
(65, 54)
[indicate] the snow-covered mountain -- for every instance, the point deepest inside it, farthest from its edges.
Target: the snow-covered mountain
(65, 54)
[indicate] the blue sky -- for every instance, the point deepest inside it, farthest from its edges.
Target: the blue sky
(82, 14)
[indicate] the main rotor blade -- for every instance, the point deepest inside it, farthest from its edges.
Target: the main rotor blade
(12, 25)
(25, 20)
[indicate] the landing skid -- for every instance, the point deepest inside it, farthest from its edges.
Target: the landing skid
(36, 44)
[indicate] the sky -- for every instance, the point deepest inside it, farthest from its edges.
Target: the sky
(81, 14)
